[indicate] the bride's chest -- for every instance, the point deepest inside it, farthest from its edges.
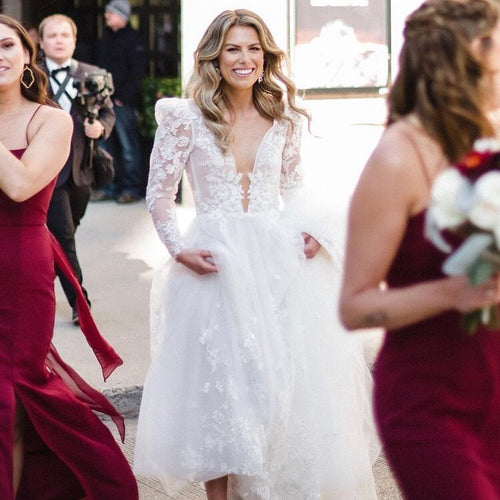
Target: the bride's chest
(257, 157)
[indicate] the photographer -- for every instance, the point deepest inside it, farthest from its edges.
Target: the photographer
(71, 195)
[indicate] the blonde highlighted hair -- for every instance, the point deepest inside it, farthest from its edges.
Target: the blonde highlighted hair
(271, 96)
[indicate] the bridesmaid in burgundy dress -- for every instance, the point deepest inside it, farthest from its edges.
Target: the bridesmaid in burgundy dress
(437, 390)
(52, 445)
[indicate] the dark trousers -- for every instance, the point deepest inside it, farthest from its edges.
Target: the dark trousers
(124, 144)
(66, 210)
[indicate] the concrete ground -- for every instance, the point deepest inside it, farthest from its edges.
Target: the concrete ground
(150, 489)
(118, 250)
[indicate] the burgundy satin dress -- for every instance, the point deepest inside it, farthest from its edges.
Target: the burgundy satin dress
(437, 393)
(68, 452)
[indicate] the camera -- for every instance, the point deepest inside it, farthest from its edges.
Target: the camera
(99, 84)
(93, 90)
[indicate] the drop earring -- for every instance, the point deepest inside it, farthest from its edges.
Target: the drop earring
(261, 77)
(30, 75)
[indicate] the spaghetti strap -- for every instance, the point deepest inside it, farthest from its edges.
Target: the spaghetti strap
(29, 123)
(420, 157)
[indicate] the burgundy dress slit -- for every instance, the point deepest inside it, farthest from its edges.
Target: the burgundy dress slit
(68, 452)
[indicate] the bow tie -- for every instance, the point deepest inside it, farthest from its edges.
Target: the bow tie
(59, 70)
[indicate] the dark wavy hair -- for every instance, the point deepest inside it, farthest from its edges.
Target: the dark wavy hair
(269, 96)
(439, 77)
(38, 91)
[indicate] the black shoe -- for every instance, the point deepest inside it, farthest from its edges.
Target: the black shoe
(74, 317)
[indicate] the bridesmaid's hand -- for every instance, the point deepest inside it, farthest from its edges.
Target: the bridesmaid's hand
(468, 298)
(199, 261)
(311, 246)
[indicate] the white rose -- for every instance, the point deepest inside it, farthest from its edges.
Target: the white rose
(447, 195)
(485, 209)
(486, 144)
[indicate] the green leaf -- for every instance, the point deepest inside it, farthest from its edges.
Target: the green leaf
(470, 321)
(467, 254)
(479, 272)
(494, 322)
(488, 316)
(152, 89)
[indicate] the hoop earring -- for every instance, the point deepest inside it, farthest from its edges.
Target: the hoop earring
(31, 77)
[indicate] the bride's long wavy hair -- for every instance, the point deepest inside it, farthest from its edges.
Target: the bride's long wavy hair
(205, 85)
(440, 77)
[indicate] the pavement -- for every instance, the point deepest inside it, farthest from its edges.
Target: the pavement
(151, 489)
(118, 249)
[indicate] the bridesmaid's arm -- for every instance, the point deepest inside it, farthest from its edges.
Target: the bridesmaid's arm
(49, 136)
(391, 188)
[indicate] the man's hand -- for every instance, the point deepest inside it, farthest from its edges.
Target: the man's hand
(93, 130)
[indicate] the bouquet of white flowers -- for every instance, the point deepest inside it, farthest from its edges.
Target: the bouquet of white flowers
(465, 200)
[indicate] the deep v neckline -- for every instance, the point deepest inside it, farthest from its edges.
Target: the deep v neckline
(245, 195)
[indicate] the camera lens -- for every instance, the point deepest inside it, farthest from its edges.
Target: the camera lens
(91, 85)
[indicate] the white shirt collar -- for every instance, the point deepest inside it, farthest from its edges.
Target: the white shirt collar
(51, 65)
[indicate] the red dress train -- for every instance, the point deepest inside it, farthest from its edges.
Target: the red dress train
(68, 452)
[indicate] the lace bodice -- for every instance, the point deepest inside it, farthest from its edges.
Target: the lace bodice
(184, 142)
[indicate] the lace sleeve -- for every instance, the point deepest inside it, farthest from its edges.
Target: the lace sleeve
(171, 149)
(291, 167)
(305, 208)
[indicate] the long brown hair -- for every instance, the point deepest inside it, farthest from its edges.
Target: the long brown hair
(269, 96)
(439, 77)
(38, 91)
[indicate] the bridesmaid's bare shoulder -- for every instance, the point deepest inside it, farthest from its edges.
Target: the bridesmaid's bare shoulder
(50, 120)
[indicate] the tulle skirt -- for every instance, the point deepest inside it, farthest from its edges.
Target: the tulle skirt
(252, 375)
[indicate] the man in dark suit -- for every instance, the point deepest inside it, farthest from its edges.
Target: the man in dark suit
(72, 192)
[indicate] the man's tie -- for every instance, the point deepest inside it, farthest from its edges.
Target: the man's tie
(54, 72)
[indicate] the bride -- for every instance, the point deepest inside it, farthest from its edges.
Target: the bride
(254, 388)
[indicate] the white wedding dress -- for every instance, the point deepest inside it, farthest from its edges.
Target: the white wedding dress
(252, 376)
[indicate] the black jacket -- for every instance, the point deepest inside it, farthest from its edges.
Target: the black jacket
(123, 54)
(77, 164)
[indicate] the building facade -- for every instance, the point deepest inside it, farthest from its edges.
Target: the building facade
(334, 45)
(157, 20)
(342, 46)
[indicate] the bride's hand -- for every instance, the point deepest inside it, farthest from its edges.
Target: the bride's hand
(199, 261)
(311, 246)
